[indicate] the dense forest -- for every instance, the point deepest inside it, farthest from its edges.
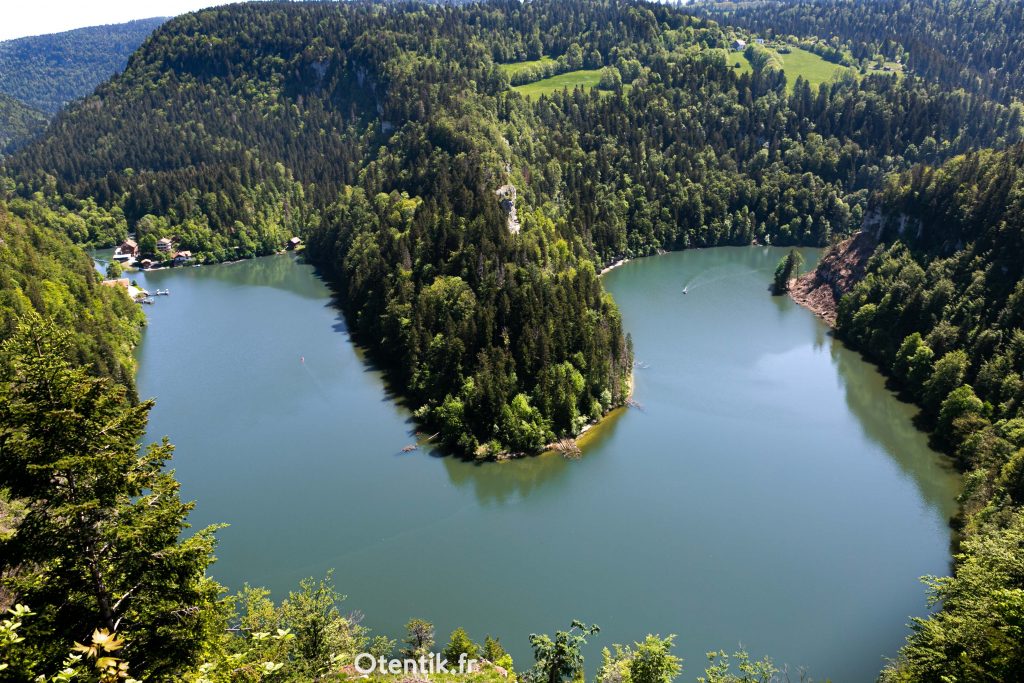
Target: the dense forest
(390, 140)
(18, 124)
(46, 72)
(43, 273)
(977, 45)
(40, 74)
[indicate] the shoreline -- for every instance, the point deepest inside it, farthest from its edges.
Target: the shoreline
(589, 432)
(806, 292)
(613, 266)
(840, 268)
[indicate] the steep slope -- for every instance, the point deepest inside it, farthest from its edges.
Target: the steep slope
(18, 124)
(840, 268)
(939, 307)
(41, 272)
(46, 72)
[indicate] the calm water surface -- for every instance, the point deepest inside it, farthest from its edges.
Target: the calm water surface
(771, 493)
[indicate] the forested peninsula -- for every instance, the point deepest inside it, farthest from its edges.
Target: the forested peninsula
(391, 141)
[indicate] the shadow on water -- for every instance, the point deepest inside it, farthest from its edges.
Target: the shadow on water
(502, 482)
(889, 422)
(276, 271)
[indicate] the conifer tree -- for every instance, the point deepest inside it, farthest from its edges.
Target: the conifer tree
(100, 542)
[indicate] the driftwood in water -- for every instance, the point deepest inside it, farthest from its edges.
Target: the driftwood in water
(568, 448)
(413, 446)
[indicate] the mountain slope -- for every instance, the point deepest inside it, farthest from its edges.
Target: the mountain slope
(941, 309)
(42, 272)
(45, 72)
(18, 123)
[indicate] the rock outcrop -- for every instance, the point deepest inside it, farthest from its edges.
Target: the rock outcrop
(839, 270)
(507, 197)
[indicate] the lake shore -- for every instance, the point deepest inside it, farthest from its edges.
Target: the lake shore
(613, 266)
(712, 454)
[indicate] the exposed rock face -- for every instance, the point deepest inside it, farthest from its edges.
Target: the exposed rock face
(840, 269)
(507, 197)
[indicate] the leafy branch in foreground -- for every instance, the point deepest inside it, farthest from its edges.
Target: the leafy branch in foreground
(106, 668)
(560, 658)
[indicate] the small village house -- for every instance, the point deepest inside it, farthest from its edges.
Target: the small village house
(293, 243)
(164, 244)
(739, 44)
(128, 248)
(182, 257)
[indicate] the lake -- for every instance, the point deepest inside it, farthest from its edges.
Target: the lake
(770, 492)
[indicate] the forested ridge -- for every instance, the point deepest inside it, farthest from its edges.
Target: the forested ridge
(46, 72)
(18, 123)
(977, 45)
(941, 310)
(40, 74)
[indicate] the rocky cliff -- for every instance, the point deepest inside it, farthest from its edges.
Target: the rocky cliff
(839, 270)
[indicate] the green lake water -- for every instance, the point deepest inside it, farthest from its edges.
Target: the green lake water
(770, 493)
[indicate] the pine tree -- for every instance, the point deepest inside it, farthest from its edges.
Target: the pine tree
(460, 644)
(100, 542)
(788, 267)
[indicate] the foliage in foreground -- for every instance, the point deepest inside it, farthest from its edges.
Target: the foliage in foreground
(283, 657)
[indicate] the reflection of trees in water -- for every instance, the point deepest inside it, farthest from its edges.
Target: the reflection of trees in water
(821, 336)
(498, 483)
(282, 271)
(888, 423)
